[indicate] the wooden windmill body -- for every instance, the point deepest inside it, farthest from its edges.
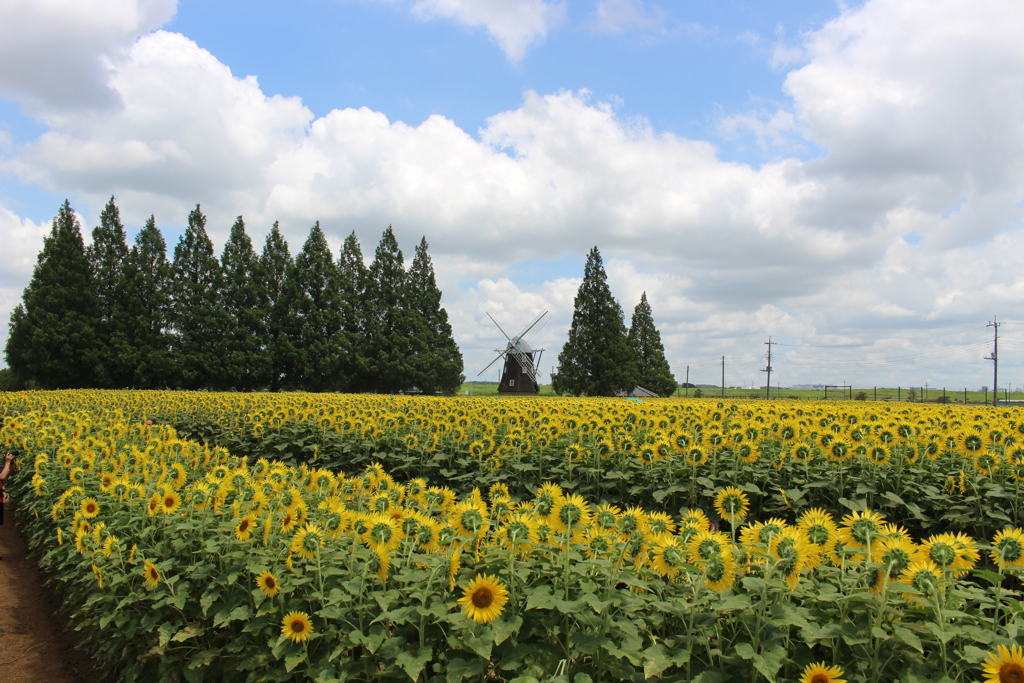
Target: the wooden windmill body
(519, 374)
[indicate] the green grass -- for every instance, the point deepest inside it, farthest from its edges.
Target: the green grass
(491, 389)
(882, 394)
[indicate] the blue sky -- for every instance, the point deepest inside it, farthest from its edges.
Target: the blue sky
(843, 177)
(696, 61)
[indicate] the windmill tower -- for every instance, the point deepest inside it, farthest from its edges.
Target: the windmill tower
(519, 376)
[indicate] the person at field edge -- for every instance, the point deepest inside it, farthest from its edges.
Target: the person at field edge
(8, 459)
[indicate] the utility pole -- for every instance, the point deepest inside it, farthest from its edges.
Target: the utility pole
(995, 359)
(768, 369)
(687, 382)
(723, 376)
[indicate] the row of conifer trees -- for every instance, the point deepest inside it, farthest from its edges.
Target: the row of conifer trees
(110, 316)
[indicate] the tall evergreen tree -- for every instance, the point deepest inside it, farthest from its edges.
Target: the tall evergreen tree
(388, 319)
(315, 347)
(275, 265)
(653, 371)
(353, 279)
(53, 341)
(436, 360)
(143, 341)
(596, 359)
(198, 316)
(107, 257)
(244, 296)
(19, 342)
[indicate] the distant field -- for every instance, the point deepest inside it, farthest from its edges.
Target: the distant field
(881, 394)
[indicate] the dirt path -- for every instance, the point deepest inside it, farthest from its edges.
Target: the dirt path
(33, 647)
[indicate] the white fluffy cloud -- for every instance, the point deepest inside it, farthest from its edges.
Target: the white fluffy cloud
(616, 16)
(58, 54)
(910, 216)
(515, 25)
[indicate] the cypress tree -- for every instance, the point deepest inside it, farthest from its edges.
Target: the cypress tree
(315, 347)
(596, 359)
(244, 296)
(353, 279)
(436, 360)
(143, 340)
(198, 315)
(275, 265)
(18, 346)
(388, 319)
(53, 342)
(653, 371)
(107, 256)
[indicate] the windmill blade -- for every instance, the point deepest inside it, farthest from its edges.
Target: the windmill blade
(525, 364)
(536, 326)
(485, 368)
(498, 325)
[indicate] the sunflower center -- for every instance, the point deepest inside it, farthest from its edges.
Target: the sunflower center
(243, 526)
(819, 678)
(298, 626)
(482, 597)
(270, 583)
(1011, 672)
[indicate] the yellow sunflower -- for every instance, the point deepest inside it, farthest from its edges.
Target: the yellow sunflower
(268, 583)
(1006, 665)
(98, 574)
(706, 544)
(820, 527)
(519, 533)
(947, 551)
(169, 501)
(696, 518)
(669, 555)
(896, 553)
(720, 572)
(570, 512)
(89, 507)
(819, 673)
(243, 530)
(861, 528)
(152, 574)
(470, 518)
(1007, 548)
(297, 626)
(379, 563)
(484, 599)
(924, 576)
(607, 517)
(383, 533)
(731, 504)
(289, 520)
(307, 542)
(660, 523)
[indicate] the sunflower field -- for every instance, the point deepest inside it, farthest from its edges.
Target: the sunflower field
(274, 537)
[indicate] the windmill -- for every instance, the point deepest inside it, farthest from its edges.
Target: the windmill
(519, 375)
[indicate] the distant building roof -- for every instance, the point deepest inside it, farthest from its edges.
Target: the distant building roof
(639, 392)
